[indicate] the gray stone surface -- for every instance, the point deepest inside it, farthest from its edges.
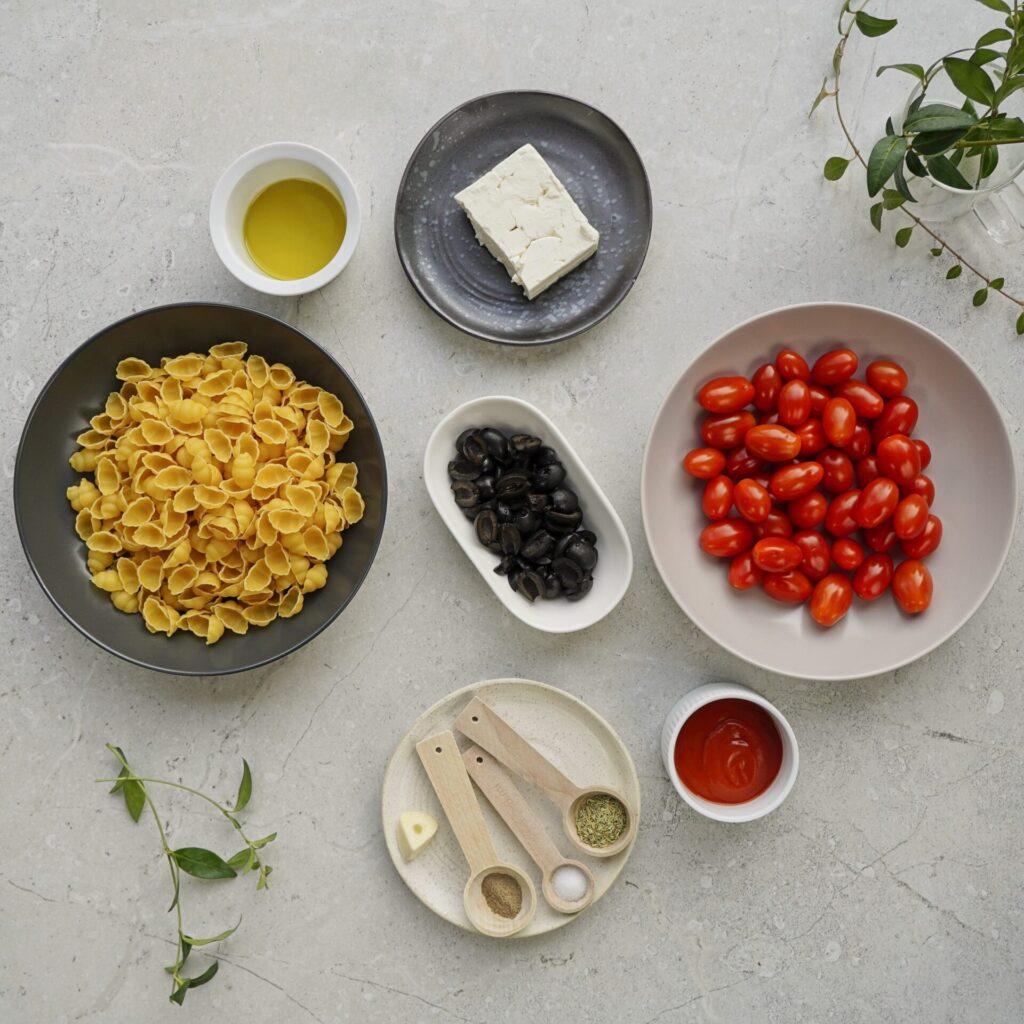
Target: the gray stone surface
(889, 885)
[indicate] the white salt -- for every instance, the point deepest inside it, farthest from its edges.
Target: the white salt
(570, 883)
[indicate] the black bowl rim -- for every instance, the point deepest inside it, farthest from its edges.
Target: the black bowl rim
(497, 338)
(18, 511)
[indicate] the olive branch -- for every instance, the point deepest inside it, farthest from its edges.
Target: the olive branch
(934, 131)
(193, 860)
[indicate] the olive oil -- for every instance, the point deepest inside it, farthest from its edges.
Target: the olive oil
(293, 228)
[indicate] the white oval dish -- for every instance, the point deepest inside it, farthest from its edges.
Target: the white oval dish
(761, 805)
(249, 175)
(972, 467)
(615, 556)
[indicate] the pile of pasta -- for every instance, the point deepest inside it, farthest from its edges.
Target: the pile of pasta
(216, 496)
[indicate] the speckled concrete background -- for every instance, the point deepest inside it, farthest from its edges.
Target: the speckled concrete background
(887, 888)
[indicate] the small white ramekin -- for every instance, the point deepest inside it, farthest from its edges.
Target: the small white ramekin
(760, 805)
(246, 178)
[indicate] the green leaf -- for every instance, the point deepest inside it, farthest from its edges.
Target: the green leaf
(902, 187)
(1020, 324)
(1009, 87)
(244, 787)
(835, 167)
(996, 5)
(942, 170)
(206, 976)
(134, 797)
(989, 161)
(903, 236)
(200, 863)
(1004, 128)
(935, 117)
(887, 154)
(914, 164)
(240, 861)
(823, 94)
(185, 949)
(909, 69)
(955, 271)
(260, 843)
(980, 296)
(970, 79)
(937, 251)
(996, 35)
(213, 938)
(264, 874)
(178, 995)
(872, 26)
(891, 199)
(984, 56)
(876, 216)
(996, 282)
(933, 143)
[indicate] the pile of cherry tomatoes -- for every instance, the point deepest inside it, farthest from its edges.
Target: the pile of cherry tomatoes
(816, 492)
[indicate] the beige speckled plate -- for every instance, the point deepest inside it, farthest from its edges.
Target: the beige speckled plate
(576, 739)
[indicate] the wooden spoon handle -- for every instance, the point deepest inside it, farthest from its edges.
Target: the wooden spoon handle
(447, 774)
(500, 790)
(489, 730)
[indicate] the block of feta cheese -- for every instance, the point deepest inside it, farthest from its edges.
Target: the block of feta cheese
(525, 217)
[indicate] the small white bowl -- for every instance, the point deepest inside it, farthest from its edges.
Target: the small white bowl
(249, 175)
(615, 556)
(751, 809)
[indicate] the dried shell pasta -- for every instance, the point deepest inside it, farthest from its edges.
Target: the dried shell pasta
(216, 497)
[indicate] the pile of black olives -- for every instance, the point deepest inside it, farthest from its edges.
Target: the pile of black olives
(513, 489)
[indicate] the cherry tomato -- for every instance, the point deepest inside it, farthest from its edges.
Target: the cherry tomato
(791, 587)
(775, 524)
(794, 402)
(831, 599)
(867, 470)
(863, 397)
(767, 383)
(922, 485)
(838, 475)
(753, 501)
(910, 517)
(717, 499)
(912, 586)
(792, 365)
(812, 437)
(872, 579)
(777, 554)
(847, 554)
(704, 463)
(816, 560)
(924, 451)
(926, 541)
(820, 397)
(839, 421)
(881, 538)
(887, 378)
(839, 519)
(740, 463)
(808, 510)
(877, 502)
(834, 367)
(726, 394)
(726, 538)
(772, 442)
(743, 573)
(726, 430)
(790, 482)
(898, 417)
(860, 443)
(898, 459)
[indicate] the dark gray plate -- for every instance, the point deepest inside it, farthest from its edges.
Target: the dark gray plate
(77, 392)
(459, 279)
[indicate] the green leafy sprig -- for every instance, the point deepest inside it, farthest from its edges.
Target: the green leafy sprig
(937, 137)
(193, 860)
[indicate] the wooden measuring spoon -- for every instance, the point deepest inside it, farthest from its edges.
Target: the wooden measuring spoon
(489, 730)
(447, 774)
(499, 789)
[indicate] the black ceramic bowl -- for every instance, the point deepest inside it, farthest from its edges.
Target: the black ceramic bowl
(77, 392)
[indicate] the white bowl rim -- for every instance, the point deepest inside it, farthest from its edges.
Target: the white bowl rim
(561, 442)
(726, 690)
(685, 605)
(252, 159)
